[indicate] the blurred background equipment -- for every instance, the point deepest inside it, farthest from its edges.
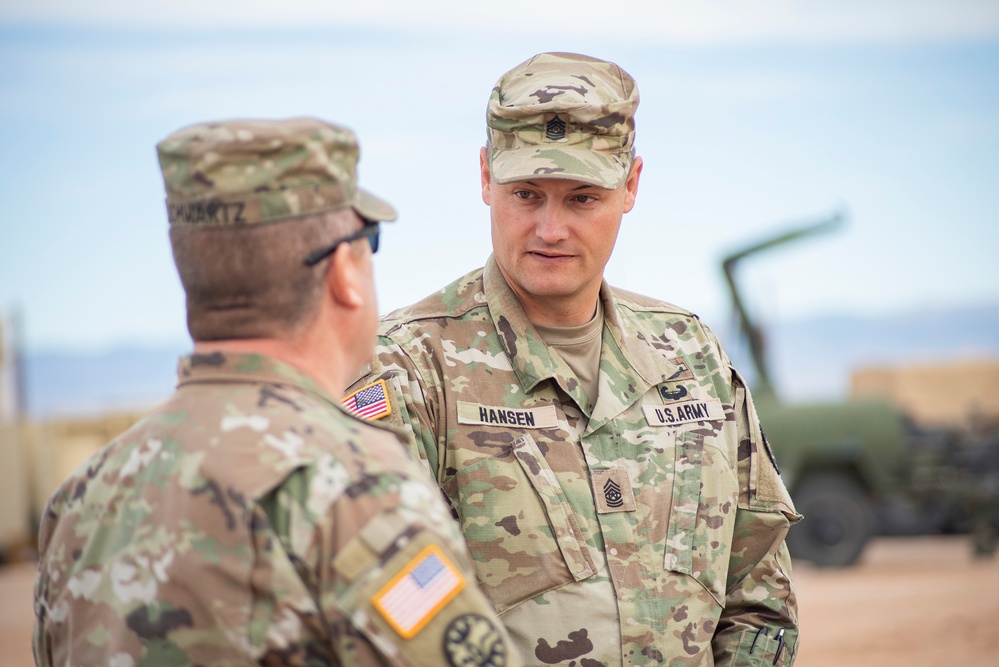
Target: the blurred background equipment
(37, 454)
(15, 525)
(937, 394)
(913, 450)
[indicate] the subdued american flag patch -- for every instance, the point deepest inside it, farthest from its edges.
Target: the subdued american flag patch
(415, 595)
(369, 402)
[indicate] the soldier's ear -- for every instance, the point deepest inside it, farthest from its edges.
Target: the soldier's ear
(484, 174)
(631, 184)
(345, 277)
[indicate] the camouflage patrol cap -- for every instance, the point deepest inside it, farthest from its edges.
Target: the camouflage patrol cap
(245, 172)
(563, 115)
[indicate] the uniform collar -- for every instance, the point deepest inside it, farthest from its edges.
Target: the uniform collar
(531, 357)
(629, 364)
(533, 361)
(215, 367)
(650, 363)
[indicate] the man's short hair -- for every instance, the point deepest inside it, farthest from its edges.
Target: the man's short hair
(247, 201)
(253, 282)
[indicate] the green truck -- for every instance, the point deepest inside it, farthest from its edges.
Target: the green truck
(856, 469)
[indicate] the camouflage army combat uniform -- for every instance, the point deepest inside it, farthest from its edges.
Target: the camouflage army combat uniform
(646, 529)
(250, 520)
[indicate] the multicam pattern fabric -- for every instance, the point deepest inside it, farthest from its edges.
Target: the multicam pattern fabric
(563, 115)
(244, 172)
(645, 529)
(248, 520)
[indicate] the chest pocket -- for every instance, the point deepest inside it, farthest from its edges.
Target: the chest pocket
(702, 513)
(521, 531)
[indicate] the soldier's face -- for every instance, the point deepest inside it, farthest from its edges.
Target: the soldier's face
(552, 238)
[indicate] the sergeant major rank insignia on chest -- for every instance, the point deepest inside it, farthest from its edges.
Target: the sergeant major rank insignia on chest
(612, 494)
(612, 490)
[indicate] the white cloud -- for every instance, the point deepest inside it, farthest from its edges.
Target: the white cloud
(682, 21)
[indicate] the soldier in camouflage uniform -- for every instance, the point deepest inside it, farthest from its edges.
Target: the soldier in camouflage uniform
(251, 519)
(603, 458)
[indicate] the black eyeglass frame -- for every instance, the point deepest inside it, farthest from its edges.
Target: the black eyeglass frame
(370, 230)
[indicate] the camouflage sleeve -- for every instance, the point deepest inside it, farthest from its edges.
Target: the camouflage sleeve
(413, 401)
(41, 635)
(759, 625)
(384, 564)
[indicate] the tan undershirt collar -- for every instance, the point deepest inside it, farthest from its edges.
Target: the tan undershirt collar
(579, 347)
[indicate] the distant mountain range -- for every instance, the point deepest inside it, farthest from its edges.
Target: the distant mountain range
(812, 359)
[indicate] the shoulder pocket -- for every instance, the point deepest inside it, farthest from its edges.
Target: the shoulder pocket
(702, 512)
(764, 489)
(560, 515)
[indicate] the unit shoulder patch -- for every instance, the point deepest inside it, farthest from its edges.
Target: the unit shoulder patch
(370, 402)
(472, 639)
(419, 591)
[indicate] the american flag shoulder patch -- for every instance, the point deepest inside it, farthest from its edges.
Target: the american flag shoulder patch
(414, 596)
(370, 402)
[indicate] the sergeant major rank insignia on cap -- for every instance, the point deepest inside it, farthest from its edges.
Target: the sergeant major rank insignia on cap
(555, 129)
(370, 402)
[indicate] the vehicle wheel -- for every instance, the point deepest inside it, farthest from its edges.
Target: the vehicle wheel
(838, 520)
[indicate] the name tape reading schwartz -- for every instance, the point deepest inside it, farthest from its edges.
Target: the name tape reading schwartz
(686, 412)
(494, 415)
(211, 213)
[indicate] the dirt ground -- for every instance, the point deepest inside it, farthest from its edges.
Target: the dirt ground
(912, 601)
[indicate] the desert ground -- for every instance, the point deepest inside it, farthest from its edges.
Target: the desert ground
(911, 601)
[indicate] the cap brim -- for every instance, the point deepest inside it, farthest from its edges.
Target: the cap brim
(373, 208)
(605, 170)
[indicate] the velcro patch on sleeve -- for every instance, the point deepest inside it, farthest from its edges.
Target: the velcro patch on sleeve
(414, 596)
(370, 402)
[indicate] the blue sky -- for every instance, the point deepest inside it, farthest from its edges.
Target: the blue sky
(754, 117)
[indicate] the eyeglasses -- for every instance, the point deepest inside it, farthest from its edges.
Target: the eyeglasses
(369, 231)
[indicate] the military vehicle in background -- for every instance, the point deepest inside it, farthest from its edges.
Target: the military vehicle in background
(855, 468)
(860, 468)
